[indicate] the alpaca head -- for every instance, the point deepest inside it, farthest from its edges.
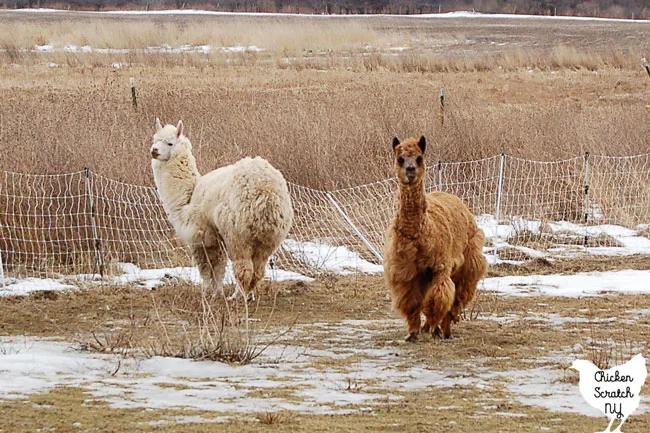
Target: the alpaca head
(409, 159)
(167, 140)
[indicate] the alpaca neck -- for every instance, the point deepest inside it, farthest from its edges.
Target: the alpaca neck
(412, 207)
(176, 180)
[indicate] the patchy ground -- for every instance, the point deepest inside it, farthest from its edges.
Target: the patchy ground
(335, 361)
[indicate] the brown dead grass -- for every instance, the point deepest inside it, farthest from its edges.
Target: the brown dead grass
(500, 346)
(571, 266)
(114, 313)
(542, 241)
(309, 124)
(300, 42)
(314, 98)
(416, 412)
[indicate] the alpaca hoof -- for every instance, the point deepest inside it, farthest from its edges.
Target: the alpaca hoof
(412, 337)
(438, 333)
(238, 294)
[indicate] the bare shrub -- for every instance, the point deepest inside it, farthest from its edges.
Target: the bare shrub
(185, 322)
(606, 352)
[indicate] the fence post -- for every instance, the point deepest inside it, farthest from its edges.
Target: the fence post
(96, 241)
(134, 99)
(442, 107)
(497, 211)
(439, 175)
(367, 243)
(586, 198)
(2, 271)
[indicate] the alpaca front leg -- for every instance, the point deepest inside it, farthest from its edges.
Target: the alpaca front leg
(444, 331)
(409, 303)
(426, 328)
(438, 302)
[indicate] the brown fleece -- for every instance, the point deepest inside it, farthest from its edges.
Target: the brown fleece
(433, 256)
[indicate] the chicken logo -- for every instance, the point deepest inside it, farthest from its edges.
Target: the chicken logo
(615, 392)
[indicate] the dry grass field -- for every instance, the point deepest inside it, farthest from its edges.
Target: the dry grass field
(324, 98)
(321, 98)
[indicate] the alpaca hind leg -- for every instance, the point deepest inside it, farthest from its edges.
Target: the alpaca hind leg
(409, 304)
(243, 270)
(218, 260)
(466, 280)
(259, 268)
(474, 268)
(438, 300)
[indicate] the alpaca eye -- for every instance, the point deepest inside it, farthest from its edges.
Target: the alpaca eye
(170, 144)
(419, 160)
(400, 161)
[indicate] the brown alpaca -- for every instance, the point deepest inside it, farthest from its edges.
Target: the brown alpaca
(433, 258)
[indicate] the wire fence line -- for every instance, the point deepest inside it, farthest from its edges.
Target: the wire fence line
(84, 223)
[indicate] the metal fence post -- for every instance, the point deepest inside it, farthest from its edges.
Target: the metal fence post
(586, 198)
(439, 175)
(2, 271)
(442, 107)
(134, 99)
(497, 211)
(96, 241)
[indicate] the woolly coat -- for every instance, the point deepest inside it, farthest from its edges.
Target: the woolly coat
(433, 252)
(426, 239)
(245, 205)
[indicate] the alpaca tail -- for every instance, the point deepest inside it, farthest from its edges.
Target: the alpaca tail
(467, 277)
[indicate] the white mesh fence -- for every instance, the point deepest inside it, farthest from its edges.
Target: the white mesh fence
(45, 225)
(132, 226)
(84, 223)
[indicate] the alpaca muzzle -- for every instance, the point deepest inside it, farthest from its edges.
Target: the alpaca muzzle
(410, 173)
(154, 153)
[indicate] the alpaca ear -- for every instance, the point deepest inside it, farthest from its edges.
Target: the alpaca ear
(179, 129)
(395, 142)
(422, 143)
(158, 125)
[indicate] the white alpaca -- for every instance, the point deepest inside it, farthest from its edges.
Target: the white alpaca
(244, 207)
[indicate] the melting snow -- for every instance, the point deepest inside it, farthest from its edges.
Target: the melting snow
(163, 49)
(336, 259)
(22, 287)
(447, 15)
(582, 284)
(31, 365)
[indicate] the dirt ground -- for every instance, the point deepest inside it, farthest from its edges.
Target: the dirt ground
(345, 328)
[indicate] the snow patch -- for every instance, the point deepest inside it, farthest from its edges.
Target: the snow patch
(577, 285)
(337, 259)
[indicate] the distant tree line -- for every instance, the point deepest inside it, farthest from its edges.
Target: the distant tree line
(595, 8)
